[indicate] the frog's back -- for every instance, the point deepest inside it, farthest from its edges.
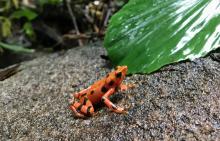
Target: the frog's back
(95, 93)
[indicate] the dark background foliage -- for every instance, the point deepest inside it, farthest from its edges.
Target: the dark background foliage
(33, 27)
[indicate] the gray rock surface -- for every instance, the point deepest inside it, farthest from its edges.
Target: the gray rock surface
(180, 102)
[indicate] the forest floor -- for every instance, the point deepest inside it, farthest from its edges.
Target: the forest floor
(181, 101)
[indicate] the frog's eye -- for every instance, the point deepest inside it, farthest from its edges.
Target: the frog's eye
(118, 75)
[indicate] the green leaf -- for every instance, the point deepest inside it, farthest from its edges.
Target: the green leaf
(16, 48)
(25, 12)
(52, 2)
(6, 26)
(148, 34)
(16, 3)
(28, 29)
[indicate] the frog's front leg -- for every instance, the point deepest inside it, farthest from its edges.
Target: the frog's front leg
(109, 104)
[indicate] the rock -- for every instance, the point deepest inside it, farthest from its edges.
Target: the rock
(179, 102)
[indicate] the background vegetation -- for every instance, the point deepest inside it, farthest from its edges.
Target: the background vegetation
(28, 26)
(154, 33)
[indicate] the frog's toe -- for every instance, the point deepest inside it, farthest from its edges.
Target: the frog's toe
(76, 113)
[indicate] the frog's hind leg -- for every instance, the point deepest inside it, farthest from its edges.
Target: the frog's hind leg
(87, 107)
(83, 107)
(81, 93)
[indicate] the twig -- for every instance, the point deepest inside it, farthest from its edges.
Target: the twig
(74, 36)
(74, 21)
(108, 13)
(48, 31)
(90, 20)
(9, 71)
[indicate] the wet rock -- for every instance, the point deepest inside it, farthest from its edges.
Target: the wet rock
(182, 101)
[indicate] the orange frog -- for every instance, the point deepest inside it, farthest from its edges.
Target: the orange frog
(100, 91)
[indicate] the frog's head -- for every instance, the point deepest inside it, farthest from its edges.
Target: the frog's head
(120, 74)
(121, 71)
(115, 78)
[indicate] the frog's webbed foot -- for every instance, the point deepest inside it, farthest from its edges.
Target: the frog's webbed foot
(76, 113)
